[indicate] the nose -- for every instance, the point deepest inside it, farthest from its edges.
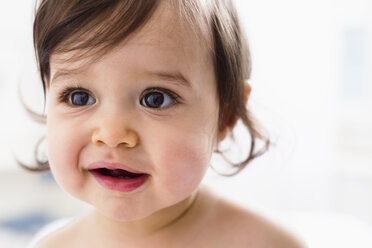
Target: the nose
(114, 133)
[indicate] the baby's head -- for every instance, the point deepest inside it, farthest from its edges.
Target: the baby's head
(99, 26)
(150, 87)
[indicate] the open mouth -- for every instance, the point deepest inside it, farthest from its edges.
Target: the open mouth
(117, 173)
(118, 179)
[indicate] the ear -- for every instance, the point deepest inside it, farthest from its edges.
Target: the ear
(248, 89)
(230, 121)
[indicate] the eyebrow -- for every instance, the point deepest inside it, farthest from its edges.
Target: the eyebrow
(176, 76)
(172, 77)
(63, 73)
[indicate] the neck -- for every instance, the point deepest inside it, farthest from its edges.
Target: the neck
(156, 223)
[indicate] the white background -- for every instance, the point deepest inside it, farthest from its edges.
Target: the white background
(312, 74)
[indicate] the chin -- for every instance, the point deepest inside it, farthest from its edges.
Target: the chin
(126, 214)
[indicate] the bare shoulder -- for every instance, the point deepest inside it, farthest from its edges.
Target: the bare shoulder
(60, 237)
(240, 227)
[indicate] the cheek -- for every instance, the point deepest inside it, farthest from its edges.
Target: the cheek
(64, 145)
(181, 162)
(183, 151)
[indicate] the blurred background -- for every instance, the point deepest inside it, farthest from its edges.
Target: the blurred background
(311, 80)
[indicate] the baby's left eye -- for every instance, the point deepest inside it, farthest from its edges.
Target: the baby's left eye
(158, 98)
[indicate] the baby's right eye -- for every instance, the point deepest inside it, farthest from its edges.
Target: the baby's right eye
(77, 97)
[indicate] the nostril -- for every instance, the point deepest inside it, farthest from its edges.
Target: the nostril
(97, 142)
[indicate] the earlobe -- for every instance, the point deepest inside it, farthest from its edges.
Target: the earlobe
(222, 135)
(230, 121)
(248, 90)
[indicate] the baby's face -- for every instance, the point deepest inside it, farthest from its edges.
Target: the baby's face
(150, 106)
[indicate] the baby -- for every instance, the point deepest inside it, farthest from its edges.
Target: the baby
(140, 93)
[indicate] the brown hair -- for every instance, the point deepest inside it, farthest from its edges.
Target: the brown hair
(96, 27)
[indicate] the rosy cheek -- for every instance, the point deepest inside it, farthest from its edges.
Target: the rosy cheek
(182, 164)
(63, 158)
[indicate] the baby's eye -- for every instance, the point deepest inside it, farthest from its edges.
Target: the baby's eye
(158, 98)
(77, 97)
(81, 98)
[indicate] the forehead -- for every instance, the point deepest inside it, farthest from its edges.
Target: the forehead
(166, 35)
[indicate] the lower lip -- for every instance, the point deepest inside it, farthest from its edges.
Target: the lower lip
(119, 184)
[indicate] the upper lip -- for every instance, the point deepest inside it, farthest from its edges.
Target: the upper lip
(112, 166)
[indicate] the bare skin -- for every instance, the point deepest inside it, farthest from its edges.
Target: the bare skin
(168, 210)
(207, 221)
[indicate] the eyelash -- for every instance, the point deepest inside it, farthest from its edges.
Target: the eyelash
(65, 93)
(174, 96)
(63, 97)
